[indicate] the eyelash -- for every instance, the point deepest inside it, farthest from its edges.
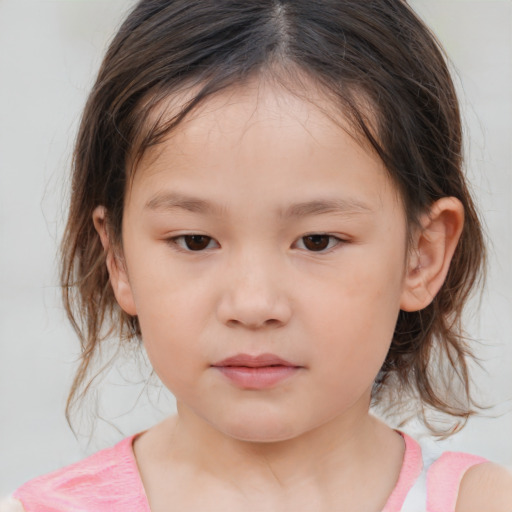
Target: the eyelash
(182, 244)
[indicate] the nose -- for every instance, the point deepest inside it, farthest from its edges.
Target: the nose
(254, 295)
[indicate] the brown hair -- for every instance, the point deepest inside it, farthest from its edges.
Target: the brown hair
(378, 50)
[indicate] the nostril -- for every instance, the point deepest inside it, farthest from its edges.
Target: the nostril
(252, 309)
(271, 322)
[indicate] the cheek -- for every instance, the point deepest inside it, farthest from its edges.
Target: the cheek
(170, 318)
(357, 313)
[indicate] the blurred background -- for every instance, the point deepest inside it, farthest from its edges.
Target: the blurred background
(50, 51)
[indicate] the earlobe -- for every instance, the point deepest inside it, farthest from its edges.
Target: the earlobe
(433, 246)
(116, 268)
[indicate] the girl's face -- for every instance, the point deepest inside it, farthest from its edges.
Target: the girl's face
(262, 227)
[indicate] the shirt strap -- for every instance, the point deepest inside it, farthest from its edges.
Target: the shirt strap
(444, 478)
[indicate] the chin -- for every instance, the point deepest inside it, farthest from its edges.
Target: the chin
(260, 428)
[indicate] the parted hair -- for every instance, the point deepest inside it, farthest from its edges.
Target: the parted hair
(380, 67)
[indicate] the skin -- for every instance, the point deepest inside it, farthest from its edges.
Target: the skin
(230, 172)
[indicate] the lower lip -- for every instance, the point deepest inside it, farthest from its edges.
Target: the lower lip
(257, 378)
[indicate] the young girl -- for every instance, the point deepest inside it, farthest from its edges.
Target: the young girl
(268, 195)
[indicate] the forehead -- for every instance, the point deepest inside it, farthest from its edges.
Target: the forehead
(260, 126)
(285, 95)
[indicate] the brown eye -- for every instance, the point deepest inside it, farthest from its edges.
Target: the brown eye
(316, 242)
(196, 242)
(193, 242)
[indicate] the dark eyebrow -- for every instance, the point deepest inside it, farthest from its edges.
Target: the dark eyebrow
(173, 200)
(345, 206)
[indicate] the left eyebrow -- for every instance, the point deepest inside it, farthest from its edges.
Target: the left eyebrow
(343, 206)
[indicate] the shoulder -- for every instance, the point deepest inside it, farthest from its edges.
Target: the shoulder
(11, 505)
(486, 486)
(93, 483)
(462, 482)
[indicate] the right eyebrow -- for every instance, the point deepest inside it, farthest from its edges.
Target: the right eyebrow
(172, 200)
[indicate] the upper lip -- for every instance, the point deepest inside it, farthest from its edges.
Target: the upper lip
(254, 361)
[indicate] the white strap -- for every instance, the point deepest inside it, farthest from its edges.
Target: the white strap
(11, 505)
(416, 500)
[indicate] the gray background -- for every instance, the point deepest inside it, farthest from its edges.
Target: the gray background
(49, 54)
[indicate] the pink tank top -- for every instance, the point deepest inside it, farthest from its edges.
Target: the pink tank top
(109, 481)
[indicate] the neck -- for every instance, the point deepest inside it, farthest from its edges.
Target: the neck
(339, 453)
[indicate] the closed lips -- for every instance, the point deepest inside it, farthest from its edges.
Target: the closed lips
(262, 360)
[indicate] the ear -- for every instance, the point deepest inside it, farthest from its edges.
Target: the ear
(116, 267)
(433, 246)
